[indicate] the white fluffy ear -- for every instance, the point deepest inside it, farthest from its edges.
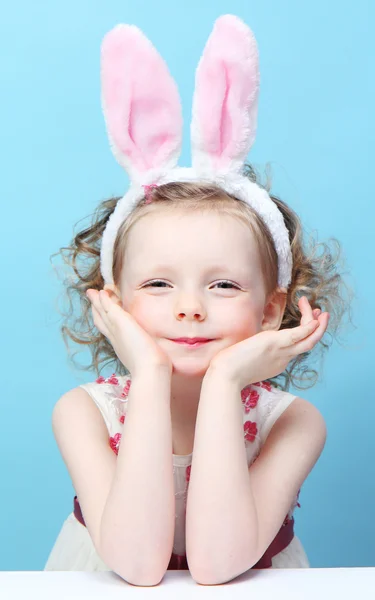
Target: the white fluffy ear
(141, 104)
(226, 98)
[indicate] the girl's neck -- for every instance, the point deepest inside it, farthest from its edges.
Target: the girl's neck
(185, 394)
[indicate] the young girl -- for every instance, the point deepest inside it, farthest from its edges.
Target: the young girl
(197, 286)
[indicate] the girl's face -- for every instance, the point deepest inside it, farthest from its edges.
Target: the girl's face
(189, 275)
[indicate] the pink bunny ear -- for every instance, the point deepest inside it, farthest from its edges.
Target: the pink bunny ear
(226, 97)
(140, 101)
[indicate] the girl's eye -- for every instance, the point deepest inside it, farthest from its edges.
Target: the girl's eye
(229, 285)
(156, 284)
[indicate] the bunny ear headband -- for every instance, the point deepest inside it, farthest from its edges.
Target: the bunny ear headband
(143, 116)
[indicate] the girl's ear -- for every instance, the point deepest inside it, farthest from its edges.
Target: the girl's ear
(274, 311)
(141, 103)
(225, 104)
(113, 292)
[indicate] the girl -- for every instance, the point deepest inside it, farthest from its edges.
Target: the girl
(197, 286)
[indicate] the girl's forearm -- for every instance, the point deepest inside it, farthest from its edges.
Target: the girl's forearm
(137, 527)
(221, 519)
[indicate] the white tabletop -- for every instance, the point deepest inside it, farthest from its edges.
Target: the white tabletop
(275, 584)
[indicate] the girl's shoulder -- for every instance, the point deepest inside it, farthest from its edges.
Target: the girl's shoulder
(110, 396)
(263, 404)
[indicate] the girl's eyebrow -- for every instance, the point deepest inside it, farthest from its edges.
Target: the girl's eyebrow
(234, 272)
(209, 271)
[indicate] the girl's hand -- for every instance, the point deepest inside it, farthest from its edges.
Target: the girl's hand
(133, 345)
(268, 353)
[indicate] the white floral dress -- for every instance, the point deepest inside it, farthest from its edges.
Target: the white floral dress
(262, 406)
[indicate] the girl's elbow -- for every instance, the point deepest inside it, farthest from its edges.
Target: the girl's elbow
(207, 577)
(138, 571)
(142, 575)
(141, 579)
(205, 574)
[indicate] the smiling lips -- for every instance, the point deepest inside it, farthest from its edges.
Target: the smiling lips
(198, 341)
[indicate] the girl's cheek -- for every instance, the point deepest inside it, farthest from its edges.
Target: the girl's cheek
(135, 305)
(145, 313)
(243, 321)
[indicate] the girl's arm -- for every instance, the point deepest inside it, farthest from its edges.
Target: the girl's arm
(127, 502)
(234, 512)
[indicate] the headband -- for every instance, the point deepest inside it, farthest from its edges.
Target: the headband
(143, 116)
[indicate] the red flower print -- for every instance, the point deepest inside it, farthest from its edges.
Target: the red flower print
(112, 379)
(245, 393)
(122, 419)
(188, 470)
(249, 398)
(114, 442)
(264, 384)
(126, 389)
(251, 430)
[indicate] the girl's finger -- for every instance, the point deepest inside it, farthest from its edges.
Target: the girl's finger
(308, 344)
(105, 300)
(290, 337)
(109, 306)
(306, 310)
(99, 323)
(111, 310)
(94, 297)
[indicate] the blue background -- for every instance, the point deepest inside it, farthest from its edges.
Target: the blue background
(316, 128)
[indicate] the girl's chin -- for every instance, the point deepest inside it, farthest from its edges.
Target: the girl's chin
(190, 368)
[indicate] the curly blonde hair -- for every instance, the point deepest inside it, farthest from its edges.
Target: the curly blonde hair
(316, 272)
